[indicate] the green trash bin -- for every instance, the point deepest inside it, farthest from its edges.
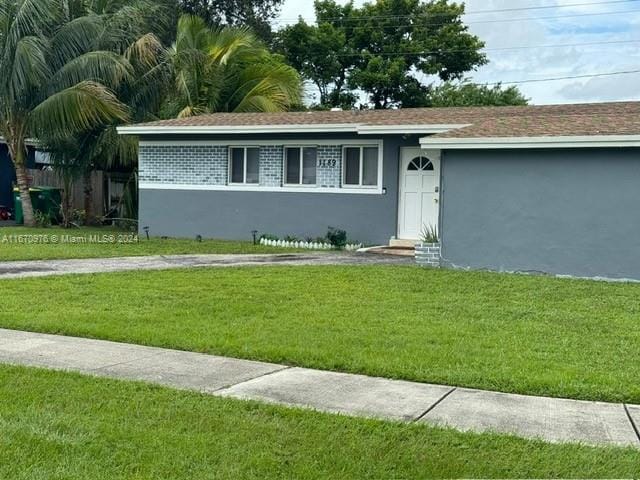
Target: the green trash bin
(44, 199)
(17, 207)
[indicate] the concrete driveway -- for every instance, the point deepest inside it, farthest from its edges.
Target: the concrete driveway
(44, 268)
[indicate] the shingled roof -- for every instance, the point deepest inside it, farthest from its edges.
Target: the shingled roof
(621, 118)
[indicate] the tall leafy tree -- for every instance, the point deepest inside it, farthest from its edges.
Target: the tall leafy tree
(381, 49)
(255, 14)
(324, 57)
(467, 94)
(54, 83)
(226, 70)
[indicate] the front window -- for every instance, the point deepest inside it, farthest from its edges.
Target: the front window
(244, 166)
(300, 165)
(361, 166)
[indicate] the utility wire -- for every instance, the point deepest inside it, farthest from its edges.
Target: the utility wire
(455, 19)
(569, 77)
(545, 7)
(495, 20)
(498, 49)
(473, 12)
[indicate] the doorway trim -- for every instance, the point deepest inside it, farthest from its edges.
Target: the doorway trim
(406, 155)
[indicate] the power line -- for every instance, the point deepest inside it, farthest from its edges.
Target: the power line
(473, 12)
(569, 77)
(545, 7)
(502, 20)
(497, 49)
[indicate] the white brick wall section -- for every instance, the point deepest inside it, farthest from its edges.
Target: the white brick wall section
(329, 172)
(193, 165)
(271, 170)
(209, 165)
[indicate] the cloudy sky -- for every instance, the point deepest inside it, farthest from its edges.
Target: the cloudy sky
(579, 25)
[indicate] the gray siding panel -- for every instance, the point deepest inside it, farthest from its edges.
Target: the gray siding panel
(573, 212)
(233, 215)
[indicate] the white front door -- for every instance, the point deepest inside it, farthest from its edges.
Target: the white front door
(419, 192)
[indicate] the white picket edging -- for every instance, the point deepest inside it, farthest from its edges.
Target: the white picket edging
(306, 245)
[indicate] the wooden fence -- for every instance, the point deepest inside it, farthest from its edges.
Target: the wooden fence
(49, 178)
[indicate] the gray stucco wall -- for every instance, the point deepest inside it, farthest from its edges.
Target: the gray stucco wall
(573, 212)
(369, 218)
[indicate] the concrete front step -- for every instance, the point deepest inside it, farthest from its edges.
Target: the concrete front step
(395, 242)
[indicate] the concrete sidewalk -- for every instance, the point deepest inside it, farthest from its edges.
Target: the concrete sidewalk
(44, 268)
(554, 420)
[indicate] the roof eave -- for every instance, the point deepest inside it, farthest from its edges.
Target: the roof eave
(258, 129)
(588, 141)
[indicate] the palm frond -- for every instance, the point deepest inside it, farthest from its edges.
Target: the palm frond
(76, 109)
(110, 150)
(129, 21)
(75, 37)
(30, 67)
(147, 92)
(32, 17)
(103, 67)
(193, 34)
(145, 51)
(226, 70)
(267, 88)
(230, 42)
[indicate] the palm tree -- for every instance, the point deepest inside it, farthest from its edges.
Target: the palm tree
(226, 70)
(131, 29)
(205, 71)
(54, 81)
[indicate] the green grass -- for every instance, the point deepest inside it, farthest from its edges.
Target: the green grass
(20, 243)
(64, 426)
(512, 333)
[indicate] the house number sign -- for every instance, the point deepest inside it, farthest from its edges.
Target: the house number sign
(325, 163)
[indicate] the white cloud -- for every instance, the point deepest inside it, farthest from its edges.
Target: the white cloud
(513, 65)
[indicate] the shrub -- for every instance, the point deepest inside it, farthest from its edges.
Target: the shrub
(78, 217)
(337, 238)
(126, 224)
(43, 220)
(429, 234)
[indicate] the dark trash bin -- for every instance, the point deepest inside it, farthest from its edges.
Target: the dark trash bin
(46, 200)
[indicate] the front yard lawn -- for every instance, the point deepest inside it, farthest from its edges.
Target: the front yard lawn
(19, 243)
(61, 425)
(512, 333)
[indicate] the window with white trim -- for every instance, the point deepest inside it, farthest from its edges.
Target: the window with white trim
(361, 166)
(244, 165)
(300, 165)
